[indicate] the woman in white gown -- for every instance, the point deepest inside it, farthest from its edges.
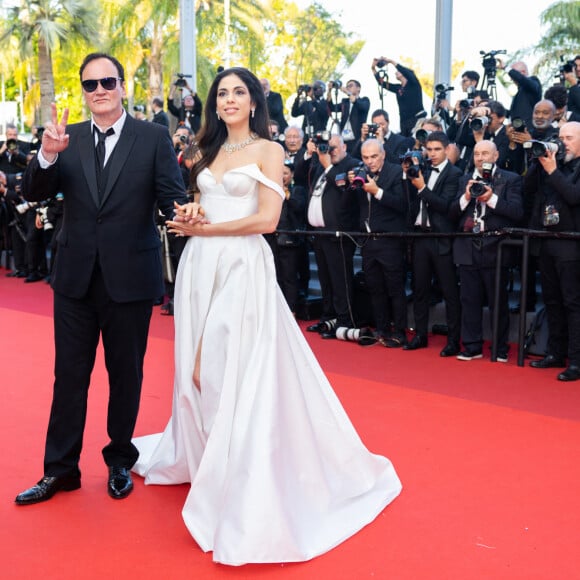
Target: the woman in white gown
(277, 471)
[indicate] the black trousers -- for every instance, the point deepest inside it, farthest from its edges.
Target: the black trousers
(334, 260)
(384, 267)
(78, 324)
(427, 261)
(561, 293)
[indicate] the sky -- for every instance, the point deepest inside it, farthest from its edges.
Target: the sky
(409, 31)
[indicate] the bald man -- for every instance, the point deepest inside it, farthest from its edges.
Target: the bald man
(554, 187)
(498, 205)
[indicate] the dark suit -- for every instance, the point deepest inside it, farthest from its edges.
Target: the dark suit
(276, 110)
(383, 258)
(476, 258)
(357, 114)
(528, 94)
(315, 113)
(395, 146)
(335, 255)
(559, 259)
(433, 256)
(106, 276)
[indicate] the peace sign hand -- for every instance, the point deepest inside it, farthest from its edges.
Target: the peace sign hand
(54, 138)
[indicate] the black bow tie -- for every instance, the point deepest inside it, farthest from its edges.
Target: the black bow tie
(436, 169)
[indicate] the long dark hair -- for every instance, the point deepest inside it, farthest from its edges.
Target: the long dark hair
(214, 133)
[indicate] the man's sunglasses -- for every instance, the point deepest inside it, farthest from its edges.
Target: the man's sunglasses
(108, 83)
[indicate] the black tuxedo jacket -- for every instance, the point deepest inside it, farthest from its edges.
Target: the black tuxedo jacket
(508, 212)
(120, 231)
(438, 202)
(339, 204)
(276, 110)
(358, 114)
(387, 214)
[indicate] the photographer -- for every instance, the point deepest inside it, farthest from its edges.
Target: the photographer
(353, 110)
(395, 144)
(541, 129)
(333, 207)
(275, 105)
(487, 200)
(190, 110)
(13, 152)
(434, 188)
(554, 186)
(559, 96)
(383, 208)
(408, 91)
(16, 209)
(310, 104)
(529, 90)
(182, 137)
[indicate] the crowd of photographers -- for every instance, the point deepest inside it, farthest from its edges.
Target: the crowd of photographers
(475, 166)
(472, 167)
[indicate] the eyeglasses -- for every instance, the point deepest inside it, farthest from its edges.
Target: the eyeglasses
(108, 83)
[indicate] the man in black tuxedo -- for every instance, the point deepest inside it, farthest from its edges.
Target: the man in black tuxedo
(275, 105)
(434, 193)
(395, 144)
(311, 104)
(382, 209)
(488, 206)
(554, 188)
(353, 110)
(114, 172)
(333, 207)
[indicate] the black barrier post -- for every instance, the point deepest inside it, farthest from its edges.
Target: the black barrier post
(524, 243)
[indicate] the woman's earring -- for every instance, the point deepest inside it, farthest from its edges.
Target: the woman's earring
(218, 115)
(252, 111)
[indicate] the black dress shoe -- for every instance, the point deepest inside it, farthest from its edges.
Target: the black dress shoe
(394, 341)
(318, 327)
(572, 373)
(34, 277)
(47, 487)
(450, 349)
(329, 334)
(120, 483)
(549, 362)
(418, 341)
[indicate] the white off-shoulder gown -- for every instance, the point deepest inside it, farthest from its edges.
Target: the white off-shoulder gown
(277, 471)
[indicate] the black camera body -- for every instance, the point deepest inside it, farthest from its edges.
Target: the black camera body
(537, 149)
(373, 130)
(412, 169)
(565, 68)
(479, 123)
(321, 139)
(304, 89)
(11, 144)
(360, 176)
(381, 63)
(441, 91)
(478, 188)
(421, 135)
(489, 62)
(335, 84)
(181, 82)
(519, 124)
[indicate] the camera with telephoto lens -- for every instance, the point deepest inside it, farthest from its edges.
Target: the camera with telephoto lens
(181, 82)
(321, 139)
(42, 212)
(360, 177)
(538, 149)
(478, 188)
(304, 89)
(373, 130)
(441, 91)
(519, 124)
(411, 168)
(335, 84)
(421, 135)
(11, 144)
(565, 68)
(479, 123)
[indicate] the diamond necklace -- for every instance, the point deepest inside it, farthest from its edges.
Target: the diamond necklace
(233, 147)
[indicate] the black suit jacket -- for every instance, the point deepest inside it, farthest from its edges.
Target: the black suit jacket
(508, 212)
(339, 204)
(276, 110)
(120, 231)
(438, 202)
(358, 114)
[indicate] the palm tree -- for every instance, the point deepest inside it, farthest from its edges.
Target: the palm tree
(41, 26)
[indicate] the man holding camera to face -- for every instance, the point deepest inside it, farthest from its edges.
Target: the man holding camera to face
(553, 183)
(488, 199)
(13, 152)
(190, 110)
(333, 207)
(377, 184)
(434, 187)
(310, 104)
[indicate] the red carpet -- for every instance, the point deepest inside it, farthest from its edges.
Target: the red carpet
(487, 453)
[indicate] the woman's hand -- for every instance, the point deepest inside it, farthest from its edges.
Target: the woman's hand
(189, 212)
